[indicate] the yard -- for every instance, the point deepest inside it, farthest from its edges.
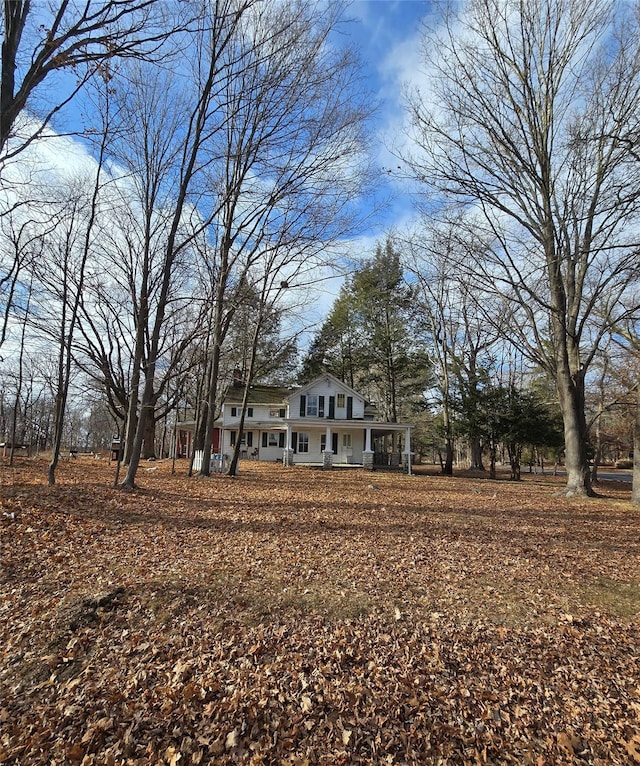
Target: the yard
(295, 616)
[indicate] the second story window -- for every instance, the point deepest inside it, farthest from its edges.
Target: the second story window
(340, 400)
(235, 412)
(312, 406)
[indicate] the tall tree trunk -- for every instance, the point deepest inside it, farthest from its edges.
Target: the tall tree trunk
(475, 448)
(16, 406)
(571, 396)
(200, 416)
(447, 467)
(597, 457)
(131, 421)
(146, 409)
(210, 411)
(217, 340)
(635, 495)
(15, 15)
(493, 451)
(233, 468)
(515, 460)
(71, 306)
(149, 438)
(235, 458)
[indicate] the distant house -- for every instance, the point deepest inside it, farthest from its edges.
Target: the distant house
(322, 423)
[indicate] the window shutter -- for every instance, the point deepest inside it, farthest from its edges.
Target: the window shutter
(334, 443)
(321, 406)
(294, 441)
(249, 412)
(264, 438)
(234, 412)
(249, 438)
(282, 412)
(303, 406)
(233, 438)
(349, 407)
(332, 406)
(281, 439)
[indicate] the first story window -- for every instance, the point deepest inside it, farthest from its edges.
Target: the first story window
(303, 441)
(273, 439)
(245, 439)
(346, 440)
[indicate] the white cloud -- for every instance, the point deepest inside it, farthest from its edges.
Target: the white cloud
(56, 156)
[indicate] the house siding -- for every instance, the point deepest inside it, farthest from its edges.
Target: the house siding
(326, 391)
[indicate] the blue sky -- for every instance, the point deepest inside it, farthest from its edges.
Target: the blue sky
(387, 35)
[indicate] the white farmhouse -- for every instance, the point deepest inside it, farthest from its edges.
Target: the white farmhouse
(323, 423)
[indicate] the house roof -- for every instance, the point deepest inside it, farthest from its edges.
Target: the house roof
(258, 394)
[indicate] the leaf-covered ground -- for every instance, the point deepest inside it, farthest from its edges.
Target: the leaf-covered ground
(295, 616)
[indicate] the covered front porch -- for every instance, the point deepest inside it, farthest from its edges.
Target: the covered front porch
(339, 443)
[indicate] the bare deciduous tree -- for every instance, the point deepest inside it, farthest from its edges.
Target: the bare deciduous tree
(293, 149)
(60, 279)
(21, 236)
(530, 120)
(191, 197)
(462, 343)
(40, 41)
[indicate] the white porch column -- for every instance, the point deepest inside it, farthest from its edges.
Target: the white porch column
(367, 453)
(406, 455)
(287, 457)
(327, 457)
